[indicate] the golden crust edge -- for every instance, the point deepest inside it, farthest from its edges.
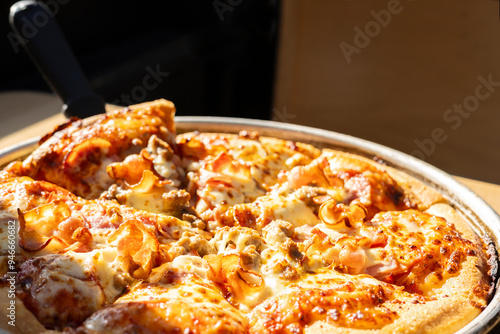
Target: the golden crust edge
(440, 316)
(423, 195)
(445, 314)
(25, 321)
(166, 105)
(30, 162)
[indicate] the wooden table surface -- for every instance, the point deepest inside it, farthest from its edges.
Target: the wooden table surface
(488, 191)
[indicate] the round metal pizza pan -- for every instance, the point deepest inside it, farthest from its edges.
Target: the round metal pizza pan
(482, 217)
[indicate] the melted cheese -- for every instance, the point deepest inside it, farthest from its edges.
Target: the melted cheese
(191, 264)
(70, 274)
(145, 201)
(189, 305)
(164, 167)
(288, 208)
(81, 266)
(227, 188)
(100, 179)
(247, 150)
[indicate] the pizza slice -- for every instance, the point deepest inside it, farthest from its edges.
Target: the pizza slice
(76, 155)
(176, 298)
(362, 228)
(376, 187)
(226, 169)
(343, 180)
(84, 253)
(368, 278)
(150, 180)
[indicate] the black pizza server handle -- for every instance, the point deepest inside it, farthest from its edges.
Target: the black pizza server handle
(44, 42)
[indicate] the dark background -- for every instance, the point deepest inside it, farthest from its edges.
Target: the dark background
(220, 55)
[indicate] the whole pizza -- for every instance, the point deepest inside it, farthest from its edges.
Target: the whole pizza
(117, 224)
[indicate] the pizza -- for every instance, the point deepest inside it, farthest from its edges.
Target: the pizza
(117, 224)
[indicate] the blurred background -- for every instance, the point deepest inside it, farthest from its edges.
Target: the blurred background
(418, 76)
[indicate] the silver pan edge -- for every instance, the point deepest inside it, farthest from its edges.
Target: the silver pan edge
(484, 220)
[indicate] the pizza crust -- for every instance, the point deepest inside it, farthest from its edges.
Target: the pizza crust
(454, 306)
(424, 195)
(475, 273)
(443, 317)
(417, 191)
(447, 212)
(25, 321)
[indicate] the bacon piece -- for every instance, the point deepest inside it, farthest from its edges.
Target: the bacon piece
(40, 225)
(130, 170)
(311, 174)
(138, 249)
(354, 258)
(228, 270)
(337, 215)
